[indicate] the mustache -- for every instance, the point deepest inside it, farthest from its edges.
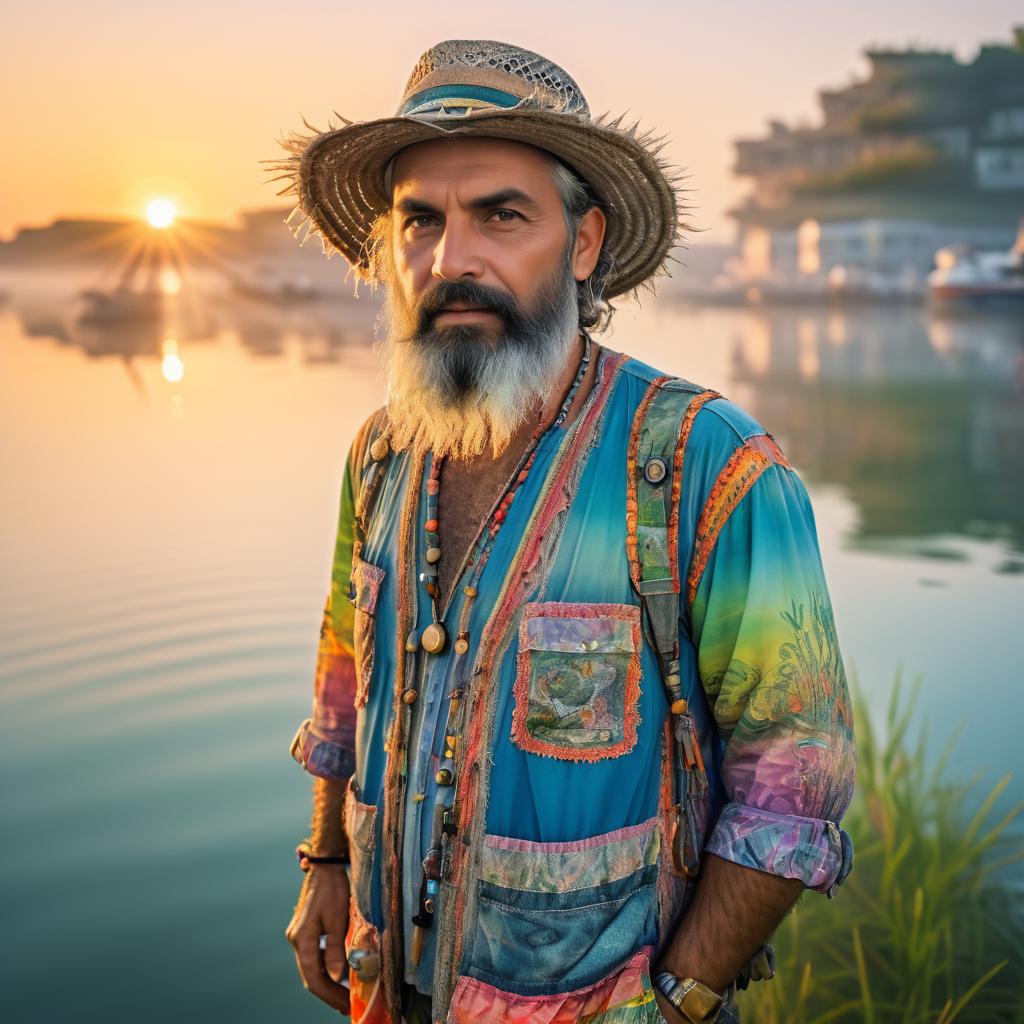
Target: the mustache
(468, 293)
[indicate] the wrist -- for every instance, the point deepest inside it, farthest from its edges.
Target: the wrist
(308, 858)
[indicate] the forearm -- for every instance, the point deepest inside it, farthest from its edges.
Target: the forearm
(327, 831)
(733, 911)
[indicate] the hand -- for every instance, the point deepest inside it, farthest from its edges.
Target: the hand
(322, 909)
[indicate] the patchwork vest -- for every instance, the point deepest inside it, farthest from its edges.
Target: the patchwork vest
(568, 693)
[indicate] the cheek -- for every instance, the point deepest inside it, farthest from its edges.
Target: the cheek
(412, 272)
(523, 271)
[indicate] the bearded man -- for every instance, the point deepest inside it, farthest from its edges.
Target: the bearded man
(581, 731)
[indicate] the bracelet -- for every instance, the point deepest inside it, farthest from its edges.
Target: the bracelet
(306, 857)
(696, 1002)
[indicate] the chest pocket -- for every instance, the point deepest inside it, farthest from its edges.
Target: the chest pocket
(577, 680)
(364, 592)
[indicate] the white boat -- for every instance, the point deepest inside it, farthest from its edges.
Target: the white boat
(964, 274)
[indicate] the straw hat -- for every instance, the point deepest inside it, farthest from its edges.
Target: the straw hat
(485, 88)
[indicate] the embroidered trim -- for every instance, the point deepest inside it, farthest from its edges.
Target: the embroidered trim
(392, 952)
(573, 845)
(470, 805)
(745, 465)
(526, 740)
(625, 995)
(766, 445)
(632, 458)
(694, 407)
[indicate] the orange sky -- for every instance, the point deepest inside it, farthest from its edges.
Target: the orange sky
(109, 103)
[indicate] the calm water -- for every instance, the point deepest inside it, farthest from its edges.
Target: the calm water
(166, 549)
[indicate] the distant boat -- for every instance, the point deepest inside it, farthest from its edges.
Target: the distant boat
(273, 286)
(968, 275)
(102, 308)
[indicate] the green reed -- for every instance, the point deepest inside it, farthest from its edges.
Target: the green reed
(928, 926)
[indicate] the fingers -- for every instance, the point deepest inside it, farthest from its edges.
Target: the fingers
(316, 981)
(334, 957)
(303, 932)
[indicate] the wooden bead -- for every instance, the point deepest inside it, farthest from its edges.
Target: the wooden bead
(433, 555)
(409, 696)
(434, 638)
(379, 449)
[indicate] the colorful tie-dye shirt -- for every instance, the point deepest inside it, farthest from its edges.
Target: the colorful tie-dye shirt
(558, 888)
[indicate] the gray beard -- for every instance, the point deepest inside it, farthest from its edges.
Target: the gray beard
(460, 390)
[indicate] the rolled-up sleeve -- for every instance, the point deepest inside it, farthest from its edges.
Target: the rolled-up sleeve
(769, 660)
(325, 743)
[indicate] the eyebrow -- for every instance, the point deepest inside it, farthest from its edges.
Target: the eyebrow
(411, 205)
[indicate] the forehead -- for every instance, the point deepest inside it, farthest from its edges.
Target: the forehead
(469, 161)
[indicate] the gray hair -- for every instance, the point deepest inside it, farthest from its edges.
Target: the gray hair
(577, 198)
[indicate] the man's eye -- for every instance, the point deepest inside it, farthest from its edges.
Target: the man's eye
(505, 215)
(421, 220)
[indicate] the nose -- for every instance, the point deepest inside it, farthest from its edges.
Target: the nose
(455, 255)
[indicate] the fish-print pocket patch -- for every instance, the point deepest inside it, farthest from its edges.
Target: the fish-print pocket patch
(577, 682)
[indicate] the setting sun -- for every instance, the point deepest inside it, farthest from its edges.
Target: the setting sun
(160, 213)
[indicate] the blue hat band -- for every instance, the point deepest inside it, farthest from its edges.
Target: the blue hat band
(456, 99)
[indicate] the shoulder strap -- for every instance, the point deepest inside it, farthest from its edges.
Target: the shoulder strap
(657, 443)
(654, 482)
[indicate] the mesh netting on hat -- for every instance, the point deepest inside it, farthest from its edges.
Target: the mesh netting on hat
(488, 53)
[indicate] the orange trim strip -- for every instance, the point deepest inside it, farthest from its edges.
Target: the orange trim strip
(745, 465)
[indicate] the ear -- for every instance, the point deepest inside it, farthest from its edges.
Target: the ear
(589, 238)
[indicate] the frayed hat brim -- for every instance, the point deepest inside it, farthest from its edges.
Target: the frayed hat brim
(337, 177)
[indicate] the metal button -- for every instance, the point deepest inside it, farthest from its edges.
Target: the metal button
(443, 777)
(365, 963)
(655, 470)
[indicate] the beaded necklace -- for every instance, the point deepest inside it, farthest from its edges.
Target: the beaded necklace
(434, 638)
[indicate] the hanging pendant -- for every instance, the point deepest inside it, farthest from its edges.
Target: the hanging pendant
(434, 638)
